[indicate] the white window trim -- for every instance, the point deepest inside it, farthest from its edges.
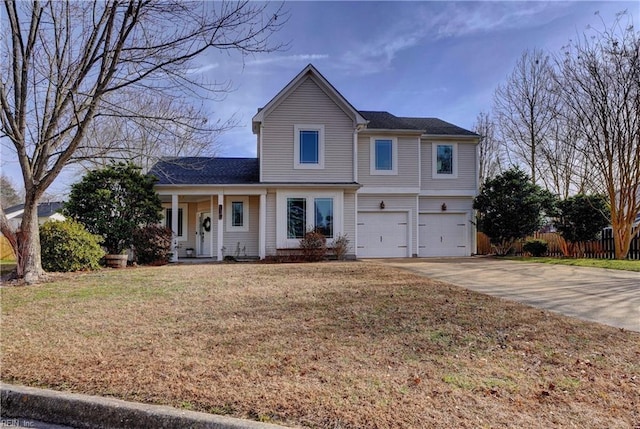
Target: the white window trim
(296, 146)
(394, 157)
(185, 220)
(434, 161)
(228, 213)
(283, 241)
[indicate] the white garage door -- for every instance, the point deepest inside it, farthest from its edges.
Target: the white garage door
(443, 235)
(382, 235)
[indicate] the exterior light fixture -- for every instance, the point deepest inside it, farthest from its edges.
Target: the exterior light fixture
(443, 207)
(381, 205)
(219, 211)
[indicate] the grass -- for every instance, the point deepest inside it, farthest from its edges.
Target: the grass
(611, 264)
(327, 345)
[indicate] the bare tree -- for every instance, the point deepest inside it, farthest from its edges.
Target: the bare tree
(490, 162)
(562, 168)
(153, 128)
(600, 83)
(66, 62)
(525, 108)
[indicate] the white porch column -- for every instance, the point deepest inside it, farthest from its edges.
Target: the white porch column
(174, 227)
(220, 214)
(262, 236)
(212, 210)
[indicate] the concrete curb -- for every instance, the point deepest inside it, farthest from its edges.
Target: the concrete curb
(95, 412)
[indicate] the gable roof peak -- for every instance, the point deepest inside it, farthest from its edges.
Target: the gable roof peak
(311, 70)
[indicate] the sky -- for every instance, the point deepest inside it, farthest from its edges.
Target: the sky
(421, 58)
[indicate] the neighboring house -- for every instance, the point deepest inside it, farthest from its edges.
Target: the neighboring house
(46, 211)
(397, 187)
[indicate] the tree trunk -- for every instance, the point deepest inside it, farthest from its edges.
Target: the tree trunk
(29, 264)
(621, 240)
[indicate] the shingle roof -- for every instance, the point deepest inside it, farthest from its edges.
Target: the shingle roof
(45, 209)
(387, 121)
(206, 171)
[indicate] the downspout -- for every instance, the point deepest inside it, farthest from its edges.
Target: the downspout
(355, 155)
(260, 152)
(474, 232)
(355, 180)
(417, 220)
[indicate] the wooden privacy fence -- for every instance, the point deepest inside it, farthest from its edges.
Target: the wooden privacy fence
(558, 247)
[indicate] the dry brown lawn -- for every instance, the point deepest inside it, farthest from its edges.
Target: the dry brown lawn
(327, 345)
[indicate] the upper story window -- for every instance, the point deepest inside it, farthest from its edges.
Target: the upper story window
(237, 211)
(445, 160)
(384, 155)
(308, 146)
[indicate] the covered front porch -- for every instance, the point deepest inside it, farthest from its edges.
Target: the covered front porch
(213, 222)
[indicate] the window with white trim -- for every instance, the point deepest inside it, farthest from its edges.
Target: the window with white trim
(323, 208)
(444, 160)
(296, 217)
(308, 150)
(299, 212)
(384, 155)
(237, 213)
(182, 221)
(299, 221)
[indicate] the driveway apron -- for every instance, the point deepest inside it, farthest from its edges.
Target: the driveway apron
(611, 297)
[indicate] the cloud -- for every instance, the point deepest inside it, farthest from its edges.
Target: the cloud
(203, 68)
(287, 60)
(426, 23)
(379, 54)
(467, 19)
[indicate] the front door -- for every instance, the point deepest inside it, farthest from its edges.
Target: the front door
(204, 234)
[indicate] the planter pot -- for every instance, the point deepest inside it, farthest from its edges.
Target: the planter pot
(116, 261)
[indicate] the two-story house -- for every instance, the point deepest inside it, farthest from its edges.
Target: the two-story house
(396, 186)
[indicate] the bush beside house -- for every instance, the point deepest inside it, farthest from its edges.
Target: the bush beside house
(152, 245)
(114, 202)
(68, 246)
(510, 207)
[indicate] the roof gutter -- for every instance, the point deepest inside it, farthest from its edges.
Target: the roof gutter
(451, 137)
(390, 131)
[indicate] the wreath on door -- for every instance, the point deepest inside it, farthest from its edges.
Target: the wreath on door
(207, 224)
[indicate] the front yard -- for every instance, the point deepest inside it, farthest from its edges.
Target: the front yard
(327, 345)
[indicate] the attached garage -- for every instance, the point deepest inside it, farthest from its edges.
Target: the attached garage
(443, 234)
(383, 235)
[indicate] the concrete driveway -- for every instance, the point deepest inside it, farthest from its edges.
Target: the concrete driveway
(611, 297)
